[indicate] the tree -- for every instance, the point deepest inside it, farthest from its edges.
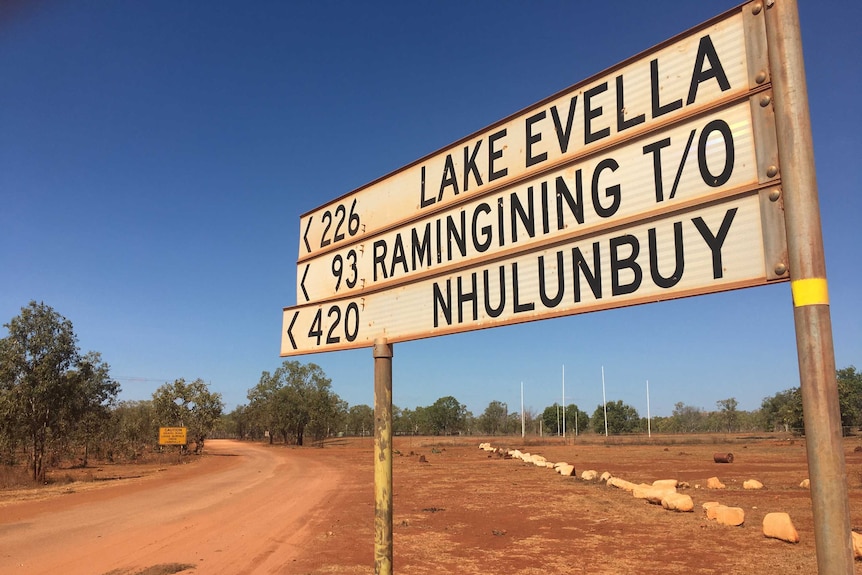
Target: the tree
(267, 408)
(236, 423)
(189, 405)
(782, 410)
(686, 418)
(849, 383)
(410, 421)
(89, 410)
(328, 411)
(360, 420)
(551, 423)
(728, 414)
(135, 425)
(294, 397)
(447, 416)
(577, 421)
(46, 387)
(622, 418)
(493, 419)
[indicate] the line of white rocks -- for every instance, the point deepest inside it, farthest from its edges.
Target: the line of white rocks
(777, 525)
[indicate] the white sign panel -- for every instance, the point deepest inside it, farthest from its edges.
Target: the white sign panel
(693, 251)
(702, 69)
(699, 159)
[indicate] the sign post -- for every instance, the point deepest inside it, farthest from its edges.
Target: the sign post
(382, 457)
(811, 314)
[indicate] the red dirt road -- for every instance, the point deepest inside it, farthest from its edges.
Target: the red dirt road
(245, 509)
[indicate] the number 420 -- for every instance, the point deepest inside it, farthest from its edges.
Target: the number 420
(349, 327)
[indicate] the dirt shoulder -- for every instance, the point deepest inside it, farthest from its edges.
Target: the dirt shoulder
(259, 509)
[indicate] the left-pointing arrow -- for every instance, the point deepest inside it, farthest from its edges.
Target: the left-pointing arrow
(290, 327)
(302, 282)
(305, 235)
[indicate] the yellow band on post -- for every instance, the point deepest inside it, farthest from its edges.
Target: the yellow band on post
(812, 291)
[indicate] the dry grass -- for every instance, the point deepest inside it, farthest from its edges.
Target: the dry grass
(14, 477)
(16, 483)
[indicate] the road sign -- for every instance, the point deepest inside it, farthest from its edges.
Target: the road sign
(726, 244)
(715, 63)
(579, 203)
(172, 436)
(693, 161)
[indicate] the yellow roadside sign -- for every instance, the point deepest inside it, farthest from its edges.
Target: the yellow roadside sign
(172, 436)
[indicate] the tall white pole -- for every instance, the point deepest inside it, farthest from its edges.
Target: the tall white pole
(604, 401)
(523, 430)
(649, 431)
(559, 427)
(564, 402)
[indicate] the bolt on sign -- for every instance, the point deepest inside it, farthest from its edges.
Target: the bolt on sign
(654, 180)
(173, 436)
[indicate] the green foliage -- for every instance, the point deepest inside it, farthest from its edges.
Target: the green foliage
(622, 418)
(687, 419)
(189, 405)
(447, 416)
(728, 413)
(849, 383)
(237, 423)
(784, 409)
(494, 419)
(135, 426)
(410, 421)
(89, 410)
(360, 420)
(551, 420)
(50, 395)
(293, 399)
(576, 421)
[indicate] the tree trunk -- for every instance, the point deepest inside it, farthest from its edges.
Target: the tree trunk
(38, 458)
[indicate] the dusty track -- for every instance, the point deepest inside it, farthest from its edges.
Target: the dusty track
(244, 509)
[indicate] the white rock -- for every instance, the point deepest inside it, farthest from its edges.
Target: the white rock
(857, 545)
(714, 483)
(677, 502)
(779, 526)
(621, 484)
(732, 516)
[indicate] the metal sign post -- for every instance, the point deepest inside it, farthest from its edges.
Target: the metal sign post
(382, 457)
(810, 295)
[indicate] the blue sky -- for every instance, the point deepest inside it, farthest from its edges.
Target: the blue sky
(155, 158)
